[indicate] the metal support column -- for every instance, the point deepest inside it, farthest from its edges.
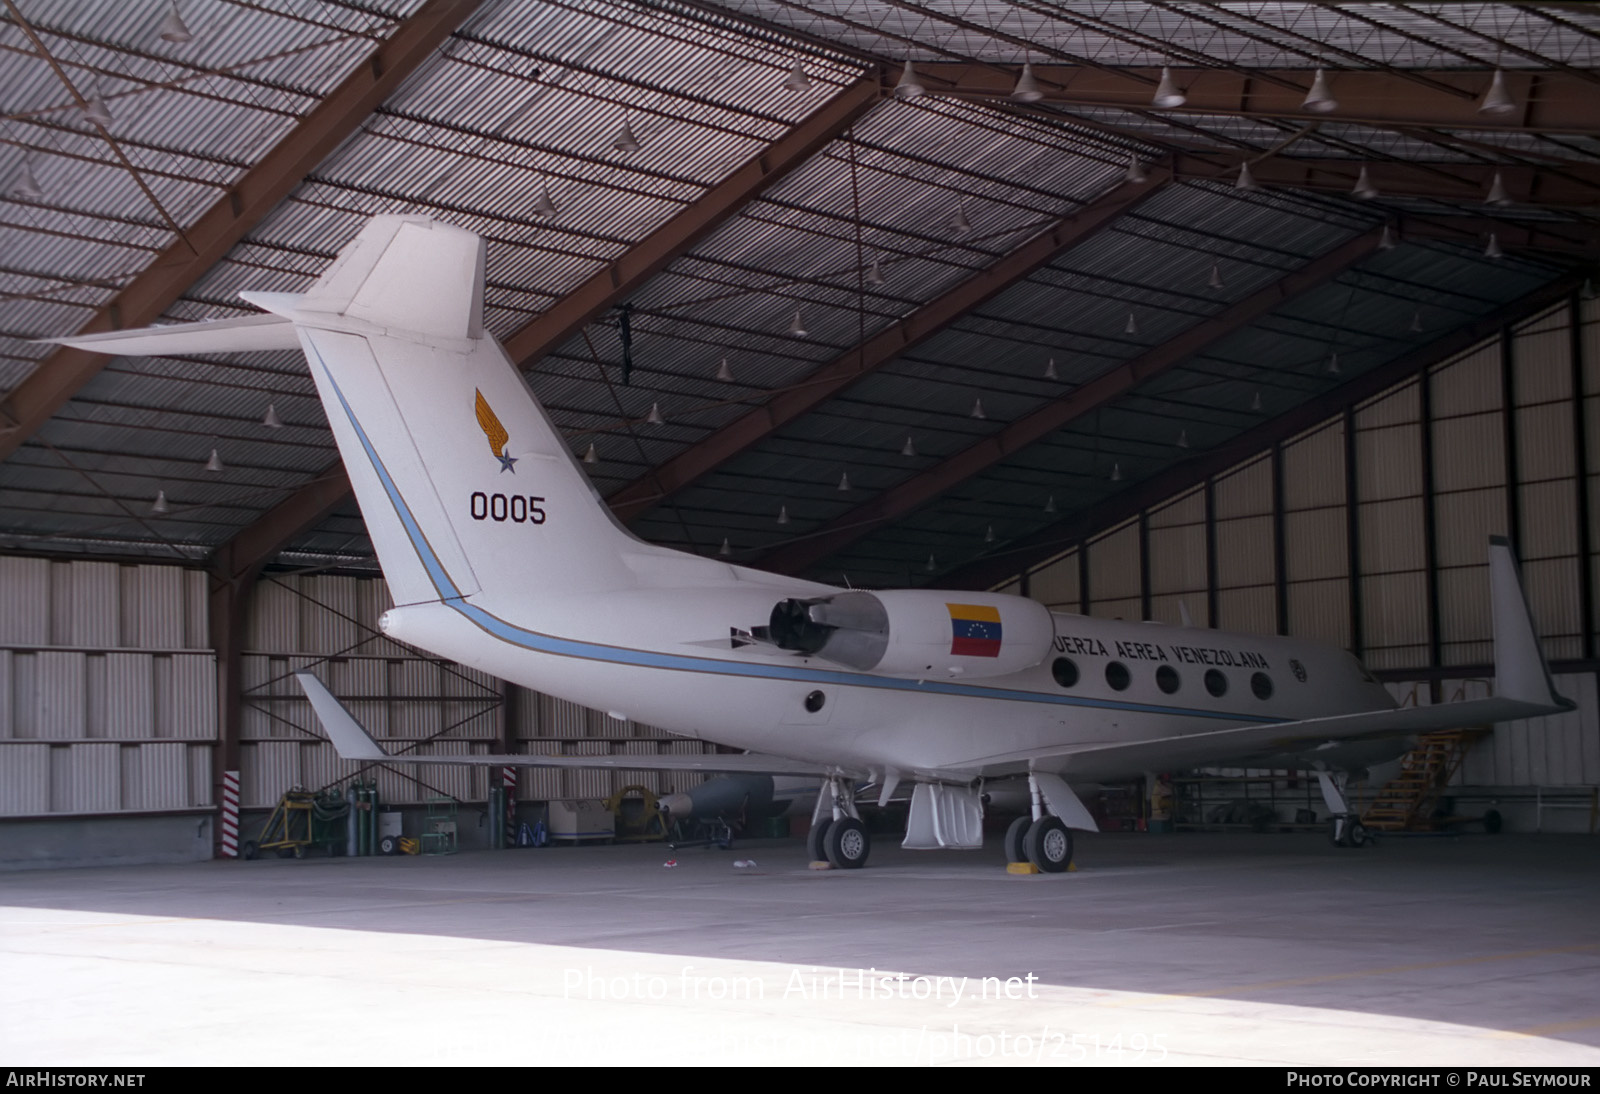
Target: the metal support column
(1352, 528)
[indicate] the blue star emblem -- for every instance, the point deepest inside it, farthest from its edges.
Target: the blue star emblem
(507, 462)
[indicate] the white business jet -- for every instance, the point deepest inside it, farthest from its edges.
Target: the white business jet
(500, 555)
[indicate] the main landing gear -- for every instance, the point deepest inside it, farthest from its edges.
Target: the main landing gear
(1344, 827)
(837, 835)
(1041, 839)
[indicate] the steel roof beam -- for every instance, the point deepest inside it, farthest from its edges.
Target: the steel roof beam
(63, 373)
(536, 339)
(750, 429)
(1549, 102)
(1575, 185)
(620, 279)
(1047, 543)
(923, 488)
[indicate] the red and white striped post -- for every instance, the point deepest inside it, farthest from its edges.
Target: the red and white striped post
(230, 814)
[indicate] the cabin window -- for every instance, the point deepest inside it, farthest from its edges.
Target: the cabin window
(1261, 684)
(1167, 679)
(1216, 683)
(1117, 676)
(814, 701)
(1065, 671)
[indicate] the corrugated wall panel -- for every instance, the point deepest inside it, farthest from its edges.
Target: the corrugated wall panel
(196, 616)
(1189, 508)
(1245, 492)
(1130, 608)
(24, 779)
(23, 697)
(1244, 552)
(1389, 462)
(7, 696)
(1313, 469)
(454, 780)
(268, 769)
(273, 615)
(561, 718)
(1114, 566)
(1469, 453)
(94, 696)
(1549, 525)
(1542, 369)
(1178, 559)
(130, 682)
(199, 762)
(193, 711)
(1391, 535)
(1394, 611)
(162, 612)
(540, 783)
(1553, 598)
(94, 778)
(88, 595)
(1464, 522)
(1057, 583)
(587, 782)
(1545, 448)
(160, 777)
(1320, 610)
(1468, 385)
(1250, 610)
(25, 591)
(1464, 626)
(1316, 544)
(58, 713)
(1166, 608)
(414, 680)
(649, 778)
(328, 607)
(319, 765)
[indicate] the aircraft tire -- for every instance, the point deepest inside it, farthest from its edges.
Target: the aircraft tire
(1015, 835)
(847, 844)
(1049, 845)
(1359, 836)
(816, 840)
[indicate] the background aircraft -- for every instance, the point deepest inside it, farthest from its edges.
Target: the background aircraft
(507, 561)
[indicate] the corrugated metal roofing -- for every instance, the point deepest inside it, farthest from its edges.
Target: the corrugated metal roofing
(529, 96)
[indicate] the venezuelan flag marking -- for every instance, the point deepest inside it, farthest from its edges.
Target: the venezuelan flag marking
(974, 630)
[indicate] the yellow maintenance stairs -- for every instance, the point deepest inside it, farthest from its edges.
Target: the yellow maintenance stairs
(1408, 802)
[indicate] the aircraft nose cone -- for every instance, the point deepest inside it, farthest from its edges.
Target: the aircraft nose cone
(678, 805)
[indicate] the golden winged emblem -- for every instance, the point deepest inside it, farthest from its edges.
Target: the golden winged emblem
(496, 432)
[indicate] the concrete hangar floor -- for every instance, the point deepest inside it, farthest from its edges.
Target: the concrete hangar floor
(1176, 950)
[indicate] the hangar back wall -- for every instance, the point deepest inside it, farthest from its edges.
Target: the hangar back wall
(1369, 530)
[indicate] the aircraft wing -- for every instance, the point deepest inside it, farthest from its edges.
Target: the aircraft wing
(1300, 738)
(1523, 689)
(352, 742)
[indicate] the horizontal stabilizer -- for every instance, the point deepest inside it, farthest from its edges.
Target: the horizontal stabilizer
(251, 332)
(1220, 746)
(353, 742)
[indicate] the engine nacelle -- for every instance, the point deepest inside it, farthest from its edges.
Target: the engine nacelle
(918, 632)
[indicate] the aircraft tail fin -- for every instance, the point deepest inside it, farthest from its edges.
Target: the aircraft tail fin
(1520, 671)
(465, 484)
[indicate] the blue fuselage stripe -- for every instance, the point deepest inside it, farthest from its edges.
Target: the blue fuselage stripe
(567, 647)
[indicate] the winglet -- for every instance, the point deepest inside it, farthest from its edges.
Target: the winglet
(1519, 666)
(350, 740)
